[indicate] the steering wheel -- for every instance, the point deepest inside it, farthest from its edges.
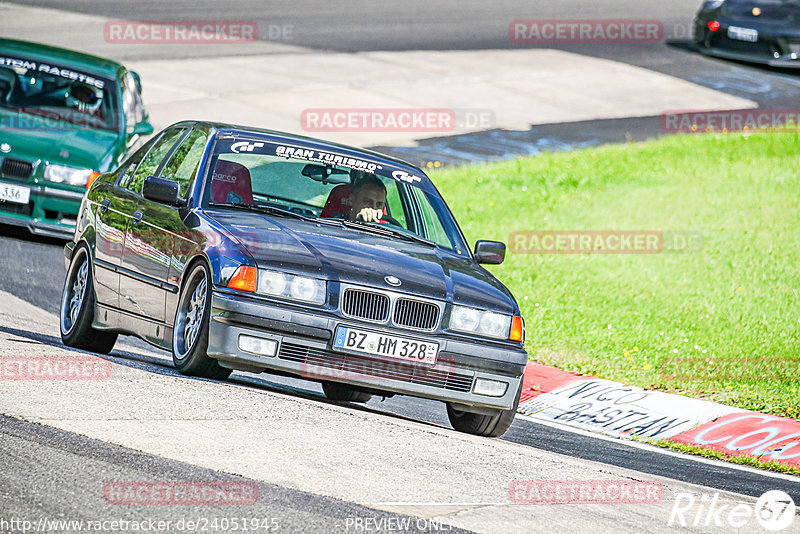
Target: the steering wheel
(385, 219)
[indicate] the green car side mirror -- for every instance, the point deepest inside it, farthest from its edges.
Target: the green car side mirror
(142, 128)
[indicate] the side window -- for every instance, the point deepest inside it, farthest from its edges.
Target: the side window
(432, 225)
(127, 173)
(395, 205)
(184, 163)
(153, 159)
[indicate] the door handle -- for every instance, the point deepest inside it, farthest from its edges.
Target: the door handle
(104, 205)
(137, 216)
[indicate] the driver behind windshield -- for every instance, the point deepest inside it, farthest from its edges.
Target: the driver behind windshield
(368, 200)
(84, 97)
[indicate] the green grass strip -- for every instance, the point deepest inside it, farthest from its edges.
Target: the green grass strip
(718, 321)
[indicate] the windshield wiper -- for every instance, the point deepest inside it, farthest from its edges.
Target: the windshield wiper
(271, 210)
(357, 225)
(386, 231)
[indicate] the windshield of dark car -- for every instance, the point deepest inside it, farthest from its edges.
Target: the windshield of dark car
(301, 181)
(56, 96)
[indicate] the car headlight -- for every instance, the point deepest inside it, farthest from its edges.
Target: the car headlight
(61, 174)
(291, 286)
(271, 282)
(484, 323)
(712, 4)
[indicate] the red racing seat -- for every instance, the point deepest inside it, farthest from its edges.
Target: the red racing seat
(230, 183)
(338, 202)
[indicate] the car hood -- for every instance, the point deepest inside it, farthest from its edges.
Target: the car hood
(30, 138)
(352, 256)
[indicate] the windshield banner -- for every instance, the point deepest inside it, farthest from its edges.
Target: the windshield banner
(47, 68)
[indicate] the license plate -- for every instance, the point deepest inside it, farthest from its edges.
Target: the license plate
(374, 343)
(743, 34)
(15, 193)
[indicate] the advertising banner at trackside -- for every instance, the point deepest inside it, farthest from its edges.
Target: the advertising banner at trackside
(769, 437)
(612, 408)
(597, 405)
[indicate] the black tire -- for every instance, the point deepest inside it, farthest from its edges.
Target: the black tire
(77, 308)
(490, 426)
(190, 331)
(339, 392)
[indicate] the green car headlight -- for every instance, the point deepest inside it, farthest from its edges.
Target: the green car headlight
(61, 174)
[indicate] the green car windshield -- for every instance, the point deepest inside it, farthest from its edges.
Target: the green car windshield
(327, 185)
(57, 96)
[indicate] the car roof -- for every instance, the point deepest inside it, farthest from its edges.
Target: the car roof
(71, 58)
(235, 129)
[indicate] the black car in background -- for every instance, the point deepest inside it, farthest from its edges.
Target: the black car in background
(760, 31)
(245, 249)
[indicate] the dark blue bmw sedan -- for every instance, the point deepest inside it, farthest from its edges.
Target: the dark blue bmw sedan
(244, 249)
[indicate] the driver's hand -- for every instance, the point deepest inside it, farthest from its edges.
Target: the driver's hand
(370, 215)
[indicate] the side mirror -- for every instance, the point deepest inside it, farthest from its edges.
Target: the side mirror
(490, 252)
(142, 128)
(162, 190)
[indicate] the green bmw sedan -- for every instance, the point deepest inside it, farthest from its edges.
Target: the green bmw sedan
(65, 117)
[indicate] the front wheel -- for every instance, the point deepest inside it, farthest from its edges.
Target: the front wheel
(190, 332)
(77, 308)
(490, 426)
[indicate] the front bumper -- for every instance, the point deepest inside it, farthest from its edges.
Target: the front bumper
(305, 350)
(50, 211)
(774, 47)
(784, 63)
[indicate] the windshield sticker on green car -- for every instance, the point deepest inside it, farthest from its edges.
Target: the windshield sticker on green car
(52, 70)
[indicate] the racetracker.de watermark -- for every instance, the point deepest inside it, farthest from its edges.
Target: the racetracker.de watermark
(54, 368)
(195, 523)
(193, 32)
(585, 492)
(180, 493)
(373, 371)
(586, 31)
(682, 367)
(603, 241)
(736, 120)
(47, 123)
(431, 120)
